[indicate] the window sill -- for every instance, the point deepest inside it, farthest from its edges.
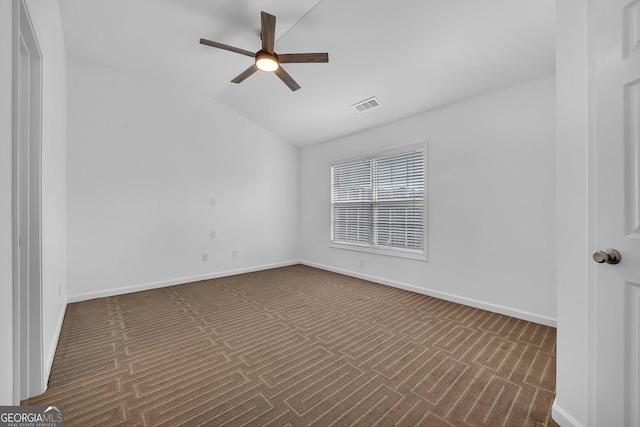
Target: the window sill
(420, 256)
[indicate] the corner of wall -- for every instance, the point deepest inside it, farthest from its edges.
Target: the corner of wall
(563, 418)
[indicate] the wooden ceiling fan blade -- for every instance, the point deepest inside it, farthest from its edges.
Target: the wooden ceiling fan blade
(227, 47)
(287, 79)
(300, 58)
(268, 32)
(246, 73)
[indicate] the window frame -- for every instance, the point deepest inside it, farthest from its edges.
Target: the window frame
(380, 250)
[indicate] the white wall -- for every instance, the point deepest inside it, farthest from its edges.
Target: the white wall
(143, 162)
(572, 74)
(45, 16)
(6, 224)
(491, 202)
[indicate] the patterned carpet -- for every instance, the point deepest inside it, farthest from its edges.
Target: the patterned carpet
(298, 346)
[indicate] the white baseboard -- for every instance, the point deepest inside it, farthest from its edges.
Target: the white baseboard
(520, 314)
(172, 282)
(524, 315)
(562, 417)
(54, 344)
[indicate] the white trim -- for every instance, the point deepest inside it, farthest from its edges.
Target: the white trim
(419, 256)
(562, 417)
(592, 215)
(54, 345)
(15, 285)
(28, 310)
(524, 315)
(177, 281)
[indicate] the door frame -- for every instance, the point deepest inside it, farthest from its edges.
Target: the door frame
(28, 369)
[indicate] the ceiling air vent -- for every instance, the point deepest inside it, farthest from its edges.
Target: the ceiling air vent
(366, 105)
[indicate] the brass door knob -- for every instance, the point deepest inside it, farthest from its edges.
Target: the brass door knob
(610, 256)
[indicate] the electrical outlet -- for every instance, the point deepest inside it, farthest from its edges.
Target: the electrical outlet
(205, 257)
(59, 289)
(361, 263)
(213, 234)
(234, 254)
(212, 201)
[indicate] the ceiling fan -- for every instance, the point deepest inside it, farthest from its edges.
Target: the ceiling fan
(266, 59)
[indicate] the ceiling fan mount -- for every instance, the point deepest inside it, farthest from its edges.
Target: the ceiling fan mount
(266, 58)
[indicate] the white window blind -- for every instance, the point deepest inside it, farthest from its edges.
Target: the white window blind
(378, 202)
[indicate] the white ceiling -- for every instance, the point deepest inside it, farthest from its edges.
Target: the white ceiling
(413, 55)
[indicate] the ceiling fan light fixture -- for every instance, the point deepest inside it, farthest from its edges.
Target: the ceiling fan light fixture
(266, 61)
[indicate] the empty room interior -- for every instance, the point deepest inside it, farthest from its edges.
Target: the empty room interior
(321, 212)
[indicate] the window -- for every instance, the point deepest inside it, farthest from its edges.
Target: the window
(377, 203)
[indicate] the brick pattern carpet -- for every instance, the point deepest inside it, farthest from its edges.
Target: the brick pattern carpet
(298, 346)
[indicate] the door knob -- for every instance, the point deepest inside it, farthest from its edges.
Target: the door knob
(610, 256)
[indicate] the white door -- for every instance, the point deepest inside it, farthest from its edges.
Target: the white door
(614, 34)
